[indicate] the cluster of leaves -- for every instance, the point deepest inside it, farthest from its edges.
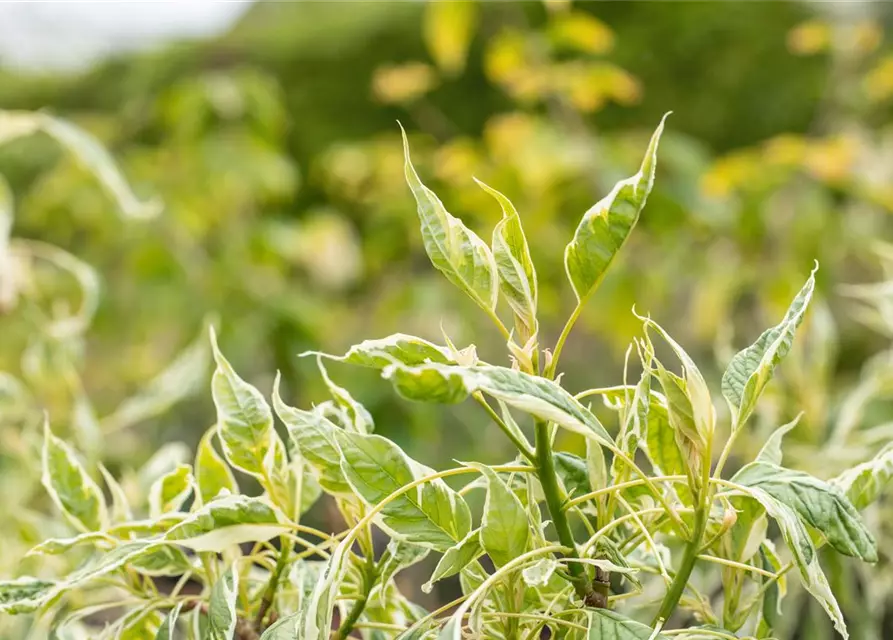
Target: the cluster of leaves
(628, 542)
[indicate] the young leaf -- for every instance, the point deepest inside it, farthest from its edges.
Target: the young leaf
(605, 227)
(517, 275)
(456, 558)
(822, 505)
(453, 248)
(359, 418)
(212, 474)
(73, 491)
(314, 436)
(609, 625)
(120, 505)
(398, 556)
(222, 606)
(505, 530)
(573, 472)
(751, 369)
(863, 483)
(228, 521)
(595, 465)
(170, 491)
(430, 515)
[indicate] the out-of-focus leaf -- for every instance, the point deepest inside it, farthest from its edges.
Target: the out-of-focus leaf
(228, 521)
(448, 30)
(864, 483)
(171, 491)
(212, 474)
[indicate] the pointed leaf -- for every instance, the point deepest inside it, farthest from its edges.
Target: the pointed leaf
(822, 505)
(399, 347)
(456, 558)
(430, 515)
(212, 474)
(170, 491)
(609, 625)
(505, 530)
(453, 248)
(605, 227)
(167, 628)
(73, 491)
(751, 369)
(771, 451)
(864, 483)
(227, 521)
(222, 606)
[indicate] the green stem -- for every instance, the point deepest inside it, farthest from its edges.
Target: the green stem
(359, 605)
(522, 446)
(270, 592)
(559, 345)
(545, 465)
(689, 558)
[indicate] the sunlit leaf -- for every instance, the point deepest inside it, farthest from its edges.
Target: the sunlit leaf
(505, 530)
(171, 491)
(448, 29)
(456, 558)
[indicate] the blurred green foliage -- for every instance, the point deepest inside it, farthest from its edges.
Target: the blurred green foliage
(276, 153)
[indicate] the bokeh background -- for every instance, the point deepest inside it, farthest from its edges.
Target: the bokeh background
(269, 132)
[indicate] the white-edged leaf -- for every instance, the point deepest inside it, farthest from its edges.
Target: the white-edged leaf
(453, 248)
(73, 491)
(227, 521)
(169, 626)
(751, 369)
(121, 511)
(539, 574)
(456, 558)
(505, 530)
(604, 228)
(398, 347)
(430, 515)
(359, 417)
(822, 505)
(171, 491)
(212, 474)
(771, 451)
(864, 483)
(605, 624)
(222, 606)
(314, 436)
(24, 595)
(517, 275)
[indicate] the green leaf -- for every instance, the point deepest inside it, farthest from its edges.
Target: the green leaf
(170, 491)
(820, 504)
(398, 556)
(162, 560)
(286, 628)
(453, 248)
(456, 558)
(771, 451)
(24, 595)
(517, 275)
(120, 505)
(535, 395)
(431, 515)
(605, 227)
(57, 546)
(751, 369)
(864, 483)
(505, 530)
(609, 625)
(245, 428)
(222, 606)
(227, 521)
(804, 554)
(573, 472)
(358, 417)
(595, 465)
(314, 436)
(212, 474)
(73, 491)
(399, 347)
(167, 628)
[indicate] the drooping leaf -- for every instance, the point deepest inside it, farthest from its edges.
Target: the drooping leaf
(605, 227)
(222, 606)
(751, 369)
(171, 491)
(212, 474)
(535, 395)
(864, 483)
(227, 521)
(819, 503)
(399, 347)
(517, 275)
(505, 530)
(73, 491)
(605, 624)
(398, 556)
(453, 248)
(314, 436)
(456, 558)
(430, 515)
(804, 555)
